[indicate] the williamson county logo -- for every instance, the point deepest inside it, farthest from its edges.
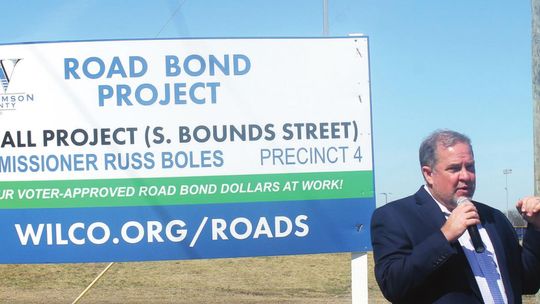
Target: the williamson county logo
(7, 66)
(8, 100)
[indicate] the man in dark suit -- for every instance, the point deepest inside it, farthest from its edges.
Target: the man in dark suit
(422, 247)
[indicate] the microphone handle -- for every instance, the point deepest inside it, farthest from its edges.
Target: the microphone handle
(476, 239)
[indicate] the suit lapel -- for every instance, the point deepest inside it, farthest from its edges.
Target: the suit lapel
(428, 209)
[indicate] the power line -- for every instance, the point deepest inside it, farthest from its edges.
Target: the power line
(172, 16)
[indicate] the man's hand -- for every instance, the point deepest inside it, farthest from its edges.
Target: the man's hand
(529, 208)
(463, 216)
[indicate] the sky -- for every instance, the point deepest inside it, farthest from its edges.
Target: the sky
(461, 65)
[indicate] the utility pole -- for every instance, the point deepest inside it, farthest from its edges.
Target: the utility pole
(506, 172)
(535, 32)
(536, 91)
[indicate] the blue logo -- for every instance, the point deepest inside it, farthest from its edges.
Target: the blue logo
(7, 66)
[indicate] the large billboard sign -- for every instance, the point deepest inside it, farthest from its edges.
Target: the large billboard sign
(184, 148)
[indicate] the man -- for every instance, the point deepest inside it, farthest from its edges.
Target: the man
(422, 247)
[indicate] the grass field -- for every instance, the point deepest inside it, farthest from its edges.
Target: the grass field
(320, 278)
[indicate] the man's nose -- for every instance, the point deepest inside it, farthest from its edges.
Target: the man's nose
(465, 174)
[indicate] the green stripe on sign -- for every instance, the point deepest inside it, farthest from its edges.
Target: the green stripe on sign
(185, 190)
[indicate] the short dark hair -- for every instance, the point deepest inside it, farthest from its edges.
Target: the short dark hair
(446, 138)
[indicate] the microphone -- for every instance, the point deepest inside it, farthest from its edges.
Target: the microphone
(473, 230)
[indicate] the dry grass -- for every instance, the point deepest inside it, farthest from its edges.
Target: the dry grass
(321, 278)
(288, 279)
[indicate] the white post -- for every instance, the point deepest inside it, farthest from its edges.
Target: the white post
(359, 277)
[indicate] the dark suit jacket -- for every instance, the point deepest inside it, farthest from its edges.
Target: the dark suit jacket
(414, 263)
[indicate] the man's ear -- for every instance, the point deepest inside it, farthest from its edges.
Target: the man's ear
(428, 174)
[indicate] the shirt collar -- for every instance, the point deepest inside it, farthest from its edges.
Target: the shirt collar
(443, 207)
